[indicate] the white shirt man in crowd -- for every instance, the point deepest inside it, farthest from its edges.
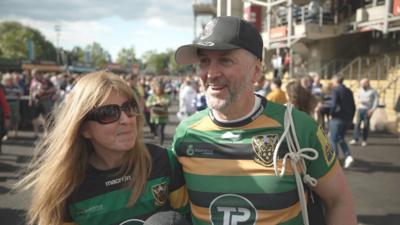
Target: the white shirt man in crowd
(187, 96)
(367, 102)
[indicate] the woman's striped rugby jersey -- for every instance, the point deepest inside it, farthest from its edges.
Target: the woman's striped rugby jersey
(228, 166)
(103, 196)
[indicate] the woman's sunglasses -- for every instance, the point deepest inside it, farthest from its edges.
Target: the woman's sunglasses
(110, 113)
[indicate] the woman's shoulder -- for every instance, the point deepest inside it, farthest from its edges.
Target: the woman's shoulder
(157, 152)
(163, 160)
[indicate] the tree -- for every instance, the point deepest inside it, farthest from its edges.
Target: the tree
(156, 63)
(14, 39)
(97, 55)
(76, 56)
(126, 57)
(176, 68)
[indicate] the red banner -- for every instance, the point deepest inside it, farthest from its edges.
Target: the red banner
(396, 7)
(253, 14)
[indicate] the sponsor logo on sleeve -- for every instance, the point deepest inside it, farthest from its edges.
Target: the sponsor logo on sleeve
(329, 153)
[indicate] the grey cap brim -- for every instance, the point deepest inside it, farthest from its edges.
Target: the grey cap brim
(187, 54)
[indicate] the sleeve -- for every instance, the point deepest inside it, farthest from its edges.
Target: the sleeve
(179, 198)
(310, 135)
(326, 154)
(4, 104)
(150, 101)
(375, 101)
(334, 102)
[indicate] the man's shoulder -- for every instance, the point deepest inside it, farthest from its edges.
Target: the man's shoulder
(193, 118)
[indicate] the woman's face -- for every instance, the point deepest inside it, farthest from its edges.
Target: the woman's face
(112, 138)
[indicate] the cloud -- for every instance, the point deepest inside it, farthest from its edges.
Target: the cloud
(176, 13)
(145, 25)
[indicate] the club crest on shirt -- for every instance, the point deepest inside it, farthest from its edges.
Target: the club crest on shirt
(263, 146)
(160, 193)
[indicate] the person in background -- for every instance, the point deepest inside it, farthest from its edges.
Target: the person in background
(200, 102)
(226, 151)
(342, 113)
(94, 168)
(37, 109)
(4, 114)
(277, 95)
(158, 102)
(276, 62)
(317, 86)
(132, 80)
(261, 87)
(367, 100)
(302, 99)
(13, 95)
(286, 61)
(187, 96)
(307, 82)
(145, 84)
(324, 105)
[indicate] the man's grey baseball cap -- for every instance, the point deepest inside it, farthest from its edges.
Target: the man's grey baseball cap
(222, 33)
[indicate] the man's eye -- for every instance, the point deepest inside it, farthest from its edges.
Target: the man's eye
(204, 61)
(226, 61)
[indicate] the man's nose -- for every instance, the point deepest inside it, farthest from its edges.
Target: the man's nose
(213, 70)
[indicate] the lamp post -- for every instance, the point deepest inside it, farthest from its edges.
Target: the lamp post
(57, 28)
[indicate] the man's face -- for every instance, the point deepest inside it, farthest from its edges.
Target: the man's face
(228, 76)
(365, 84)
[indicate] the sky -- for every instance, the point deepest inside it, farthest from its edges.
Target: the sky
(144, 25)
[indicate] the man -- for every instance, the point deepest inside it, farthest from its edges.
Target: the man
(342, 113)
(276, 62)
(226, 150)
(35, 89)
(277, 95)
(187, 98)
(367, 99)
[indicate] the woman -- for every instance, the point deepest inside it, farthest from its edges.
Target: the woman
(13, 94)
(158, 103)
(300, 97)
(94, 168)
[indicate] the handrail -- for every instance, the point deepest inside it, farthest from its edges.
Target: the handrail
(382, 92)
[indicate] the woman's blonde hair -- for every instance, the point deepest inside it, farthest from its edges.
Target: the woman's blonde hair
(60, 160)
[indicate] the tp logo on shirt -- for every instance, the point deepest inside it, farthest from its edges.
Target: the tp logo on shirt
(232, 209)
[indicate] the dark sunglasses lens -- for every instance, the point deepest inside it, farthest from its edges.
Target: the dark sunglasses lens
(108, 113)
(130, 108)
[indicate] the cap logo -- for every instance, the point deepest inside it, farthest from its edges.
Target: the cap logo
(206, 43)
(208, 29)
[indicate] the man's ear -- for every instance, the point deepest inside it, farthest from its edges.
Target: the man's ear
(257, 71)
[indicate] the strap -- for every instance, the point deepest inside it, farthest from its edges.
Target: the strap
(297, 157)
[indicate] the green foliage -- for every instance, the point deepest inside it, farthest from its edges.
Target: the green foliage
(126, 57)
(164, 63)
(176, 68)
(97, 55)
(77, 56)
(14, 39)
(156, 63)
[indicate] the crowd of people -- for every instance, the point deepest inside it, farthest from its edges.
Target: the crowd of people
(30, 97)
(237, 127)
